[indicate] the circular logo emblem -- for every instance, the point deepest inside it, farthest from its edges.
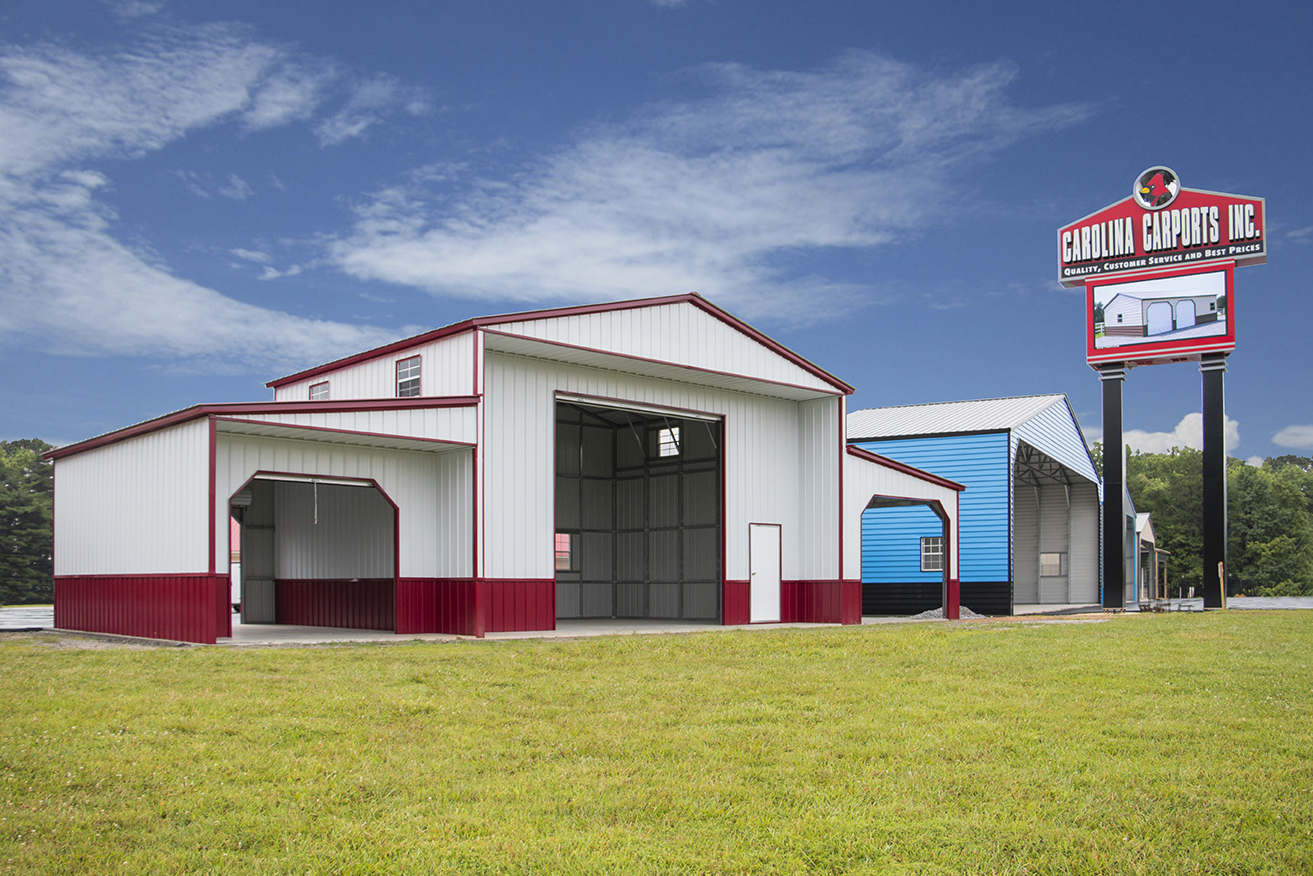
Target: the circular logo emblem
(1156, 188)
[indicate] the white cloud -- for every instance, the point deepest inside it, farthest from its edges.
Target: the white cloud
(1297, 437)
(66, 282)
(1254, 462)
(1301, 235)
(370, 101)
(728, 195)
(1188, 433)
(236, 188)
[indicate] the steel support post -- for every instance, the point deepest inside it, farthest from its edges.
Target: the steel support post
(1114, 487)
(1212, 367)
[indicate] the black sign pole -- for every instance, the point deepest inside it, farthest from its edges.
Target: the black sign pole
(1212, 367)
(1114, 485)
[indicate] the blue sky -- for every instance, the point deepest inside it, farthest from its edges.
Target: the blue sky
(197, 197)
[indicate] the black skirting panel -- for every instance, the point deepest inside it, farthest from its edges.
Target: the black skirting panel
(989, 597)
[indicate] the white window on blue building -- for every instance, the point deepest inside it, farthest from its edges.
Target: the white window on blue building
(932, 554)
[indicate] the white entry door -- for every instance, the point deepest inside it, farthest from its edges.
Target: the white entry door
(764, 568)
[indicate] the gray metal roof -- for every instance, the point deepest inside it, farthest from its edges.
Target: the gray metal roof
(949, 418)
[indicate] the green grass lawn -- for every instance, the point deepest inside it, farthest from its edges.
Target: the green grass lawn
(1153, 744)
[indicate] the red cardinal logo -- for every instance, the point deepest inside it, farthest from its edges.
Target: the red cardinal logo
(1156, 188)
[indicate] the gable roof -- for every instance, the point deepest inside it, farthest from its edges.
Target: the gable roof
(538, 316)
(948, 418)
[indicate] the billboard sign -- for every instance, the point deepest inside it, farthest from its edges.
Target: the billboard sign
(1171, 315)
(1162, 225)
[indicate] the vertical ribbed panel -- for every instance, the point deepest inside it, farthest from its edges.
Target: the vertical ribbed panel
(363, 604)
(136, 507)
(332, 531)
(1084, 565)
(433, 491)
(736, 603)
(679, 333)
(428, 605)
(1026, 544)
(521, 605)
(819, 448)
(447, 368)
(185, 608)
(980, 463)
(1054, 524)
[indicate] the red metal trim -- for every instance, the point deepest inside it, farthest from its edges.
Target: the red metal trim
(903, 468)
(345, 432)
(649, 361)
(237, 408)
(448, 331)
(724, 527)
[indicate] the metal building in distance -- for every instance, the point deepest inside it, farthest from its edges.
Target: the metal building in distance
(656, 458)
(1029, 517)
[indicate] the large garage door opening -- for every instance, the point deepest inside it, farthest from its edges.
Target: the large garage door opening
(316, 552)
(638, 514)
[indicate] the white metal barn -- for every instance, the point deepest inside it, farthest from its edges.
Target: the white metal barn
(643, 459)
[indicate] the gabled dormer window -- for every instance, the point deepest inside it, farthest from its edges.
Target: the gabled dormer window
(319, 391)
(408, 377)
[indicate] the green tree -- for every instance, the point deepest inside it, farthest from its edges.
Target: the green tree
(1271, 533)
(1170, 487)
(26, 515)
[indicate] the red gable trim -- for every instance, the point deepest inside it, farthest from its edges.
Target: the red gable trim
(904, 468)
(237, 409)
(478, 322)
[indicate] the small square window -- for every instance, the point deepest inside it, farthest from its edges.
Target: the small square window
(1050, 564)
(319, 391)
(408, 377)
(564, 557)
(1119, 317)
(932, 554)
(668, 441)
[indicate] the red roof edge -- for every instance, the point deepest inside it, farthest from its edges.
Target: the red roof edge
(904, 468)
(552, 313)
(195, 412)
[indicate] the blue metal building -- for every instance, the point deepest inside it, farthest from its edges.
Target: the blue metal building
(1029, 518)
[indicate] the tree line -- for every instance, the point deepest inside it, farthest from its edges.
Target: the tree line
(26, 523)
(1269, 508)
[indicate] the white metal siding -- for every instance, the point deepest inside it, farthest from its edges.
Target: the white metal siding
(447, 368)
(136, 507)
(1129, 309)
(1053, 538)
(679, 333)
(331, 531)
(439, 424)
(818, 487)
(1025, 544)
(761, 459)
(1084, 566)
(863, 479)
(434, 492)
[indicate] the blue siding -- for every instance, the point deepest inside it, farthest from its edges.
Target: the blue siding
(980, 463)
(891, 544)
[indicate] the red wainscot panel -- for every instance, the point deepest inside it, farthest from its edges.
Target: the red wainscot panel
(735, 603)
(519, 604)
(852, 603)
(436, 605)
(359, 604)
(810, 602)
(184, 608)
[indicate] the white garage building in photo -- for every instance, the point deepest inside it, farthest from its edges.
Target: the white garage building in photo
(656, 458)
